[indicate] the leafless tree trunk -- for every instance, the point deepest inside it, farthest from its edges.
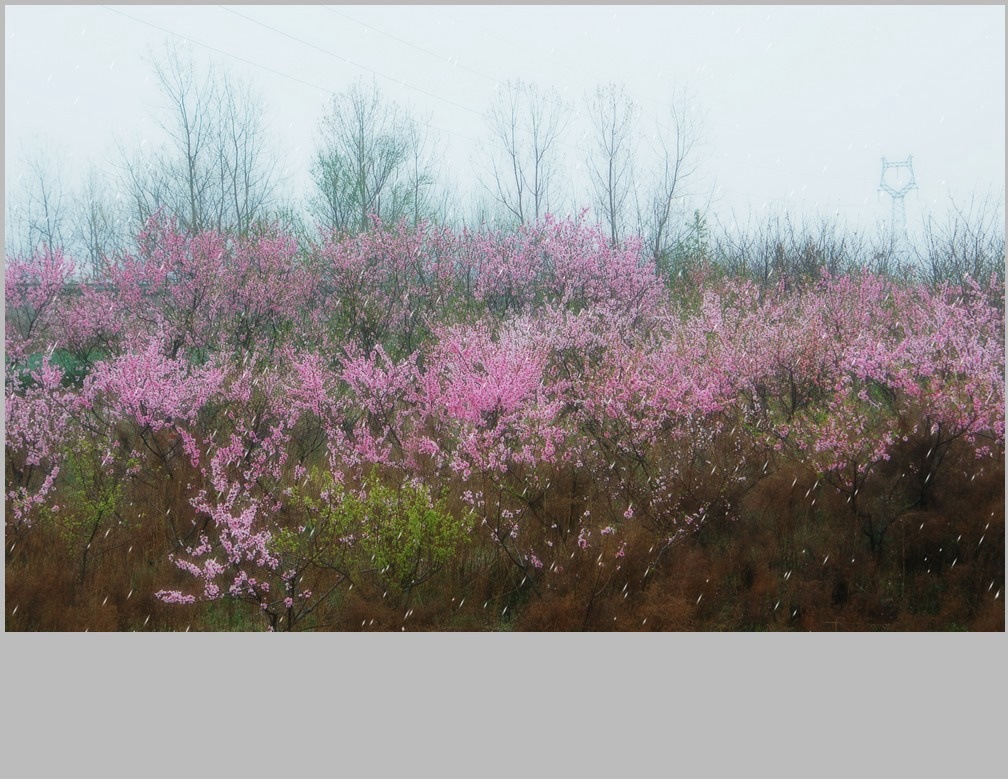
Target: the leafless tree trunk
(249, 173)
(371, 161)
(613, 115)
(526, 123)
(970, 245)
(661, 203)
(37, 213)
(423, 148)
(189, 125)
(98, 222)
(217, 170)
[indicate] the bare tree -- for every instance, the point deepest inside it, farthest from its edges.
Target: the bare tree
(97, 222)
(143, 178)
(661, 203)
(526, 123)
(969, 245)
(37, 211)
(777, 250)
(426, 200)
(216, 170)
(189, 122)
(370, 161)
(613, 116)
(248, 172)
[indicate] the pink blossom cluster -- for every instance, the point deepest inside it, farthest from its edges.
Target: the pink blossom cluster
(484, 363)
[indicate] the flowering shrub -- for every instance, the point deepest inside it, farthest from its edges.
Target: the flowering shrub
(482, 367)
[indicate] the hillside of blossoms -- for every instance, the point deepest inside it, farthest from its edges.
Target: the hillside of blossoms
(421, 428)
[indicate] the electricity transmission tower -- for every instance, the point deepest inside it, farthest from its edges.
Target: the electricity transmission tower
(897, 185)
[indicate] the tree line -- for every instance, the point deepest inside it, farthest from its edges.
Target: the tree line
(376, 159)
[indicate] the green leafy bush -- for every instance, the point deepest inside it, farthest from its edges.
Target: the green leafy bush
(401, 535)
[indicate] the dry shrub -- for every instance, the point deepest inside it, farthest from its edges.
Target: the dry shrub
(665, 610)
(990, 613)
(40, 584)
(552, 612)
(361, 611)
(939, 567)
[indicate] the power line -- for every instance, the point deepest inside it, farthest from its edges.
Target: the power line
(559, 102)
(220, 51)
(327, 90)
(779, 169)
(401, 82)
(449, 60)
(545, 98)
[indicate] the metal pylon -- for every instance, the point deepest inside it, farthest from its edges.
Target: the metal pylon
(897, 191)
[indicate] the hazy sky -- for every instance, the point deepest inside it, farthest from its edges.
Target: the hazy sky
(800, 103)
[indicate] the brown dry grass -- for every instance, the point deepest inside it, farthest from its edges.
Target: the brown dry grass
(791, 557)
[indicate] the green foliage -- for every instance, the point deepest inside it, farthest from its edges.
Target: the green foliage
(93, 493)
(409, 534)
(401, 534)
(690, 253)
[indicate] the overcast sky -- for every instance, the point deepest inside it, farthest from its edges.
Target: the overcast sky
(800, 104)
